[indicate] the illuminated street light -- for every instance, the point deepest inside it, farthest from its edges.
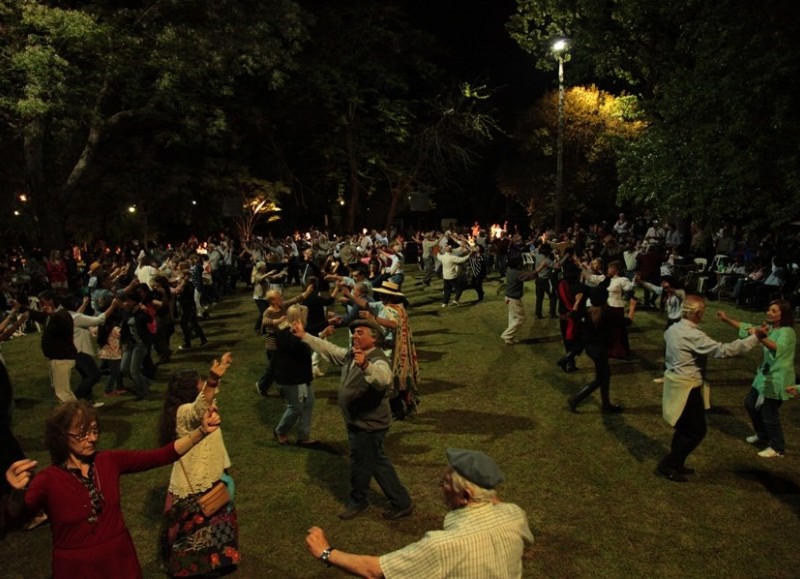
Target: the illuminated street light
(132, 209)
(560, 48)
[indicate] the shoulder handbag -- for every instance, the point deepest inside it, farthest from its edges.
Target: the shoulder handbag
(211, 501)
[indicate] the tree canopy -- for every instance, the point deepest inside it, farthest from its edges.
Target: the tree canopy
(717, 83)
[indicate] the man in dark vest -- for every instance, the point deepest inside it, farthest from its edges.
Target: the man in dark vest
(366, 377)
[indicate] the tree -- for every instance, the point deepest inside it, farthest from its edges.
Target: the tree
(710, 145)
(597, 125)
(259, 204)
(76, 75)
(371, 119)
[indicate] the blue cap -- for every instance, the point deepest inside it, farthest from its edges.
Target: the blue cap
(476, 467)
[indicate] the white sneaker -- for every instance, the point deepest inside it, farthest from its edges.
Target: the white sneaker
(770, 453)
(658, 380)
(752, 439)
(98, 404)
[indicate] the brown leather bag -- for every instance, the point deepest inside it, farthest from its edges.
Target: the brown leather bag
(211, 501)
(214, 499)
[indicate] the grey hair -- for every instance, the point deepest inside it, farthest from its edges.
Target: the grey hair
(691, 306)
(477, 493)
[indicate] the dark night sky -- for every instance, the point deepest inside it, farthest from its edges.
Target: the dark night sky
(481, 50)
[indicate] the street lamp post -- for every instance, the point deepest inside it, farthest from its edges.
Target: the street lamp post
(559, 50)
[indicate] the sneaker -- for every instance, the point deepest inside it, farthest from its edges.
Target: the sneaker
(444, 305)
(98, 404)
(185, 347)
(658, 380)
(769, 452)
(752, 439)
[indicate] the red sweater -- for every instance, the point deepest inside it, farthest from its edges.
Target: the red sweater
(82, 549)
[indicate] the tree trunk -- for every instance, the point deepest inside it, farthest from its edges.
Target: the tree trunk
(397, 195)
(48, 213)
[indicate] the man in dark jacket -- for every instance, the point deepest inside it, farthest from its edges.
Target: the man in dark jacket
(57, 344)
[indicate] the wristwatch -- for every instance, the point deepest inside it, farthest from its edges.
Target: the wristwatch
(326, 554)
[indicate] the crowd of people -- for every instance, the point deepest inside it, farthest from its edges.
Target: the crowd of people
(103, 310)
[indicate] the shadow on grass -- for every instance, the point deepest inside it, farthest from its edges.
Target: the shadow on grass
(782, 488)
(429, 355)
(455, 422)
(27, 403)
(541, 340)
(641, 446)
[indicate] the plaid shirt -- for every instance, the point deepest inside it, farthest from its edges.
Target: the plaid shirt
(483, 542)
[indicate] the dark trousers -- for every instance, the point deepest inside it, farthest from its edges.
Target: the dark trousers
(450, 286)
(189, 323)
(545, 287)
(766, 420)
(262, 305)
(268, 376)
(164, 329)
(90, 374)
(690, 430)
(477, 285)
(368, 459)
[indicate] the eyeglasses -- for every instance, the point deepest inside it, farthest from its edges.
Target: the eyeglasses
(80, 437)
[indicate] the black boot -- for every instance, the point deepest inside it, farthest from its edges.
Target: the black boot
(605, 396)
(573, 401)
(397, 407)
(567, 363)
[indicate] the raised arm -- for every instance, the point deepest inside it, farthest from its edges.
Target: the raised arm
(218, 369)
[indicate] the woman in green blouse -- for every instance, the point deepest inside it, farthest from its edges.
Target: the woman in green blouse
(775, 377)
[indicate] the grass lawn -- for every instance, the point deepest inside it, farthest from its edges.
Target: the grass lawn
(586, 480)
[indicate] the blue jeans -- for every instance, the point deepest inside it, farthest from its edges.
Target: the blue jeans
(368, 459)
(766, 420)
(114, 381)
(133, 366)
(297, 409)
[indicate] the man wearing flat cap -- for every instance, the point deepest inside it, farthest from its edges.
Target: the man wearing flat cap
(366, 378)
(482, 536)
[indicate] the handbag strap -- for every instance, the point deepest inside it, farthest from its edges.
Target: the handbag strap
(186, 474)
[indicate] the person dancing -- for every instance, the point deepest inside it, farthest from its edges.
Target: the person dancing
(774, 378)
(687, 351)
(196, 543)
(596, 328)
